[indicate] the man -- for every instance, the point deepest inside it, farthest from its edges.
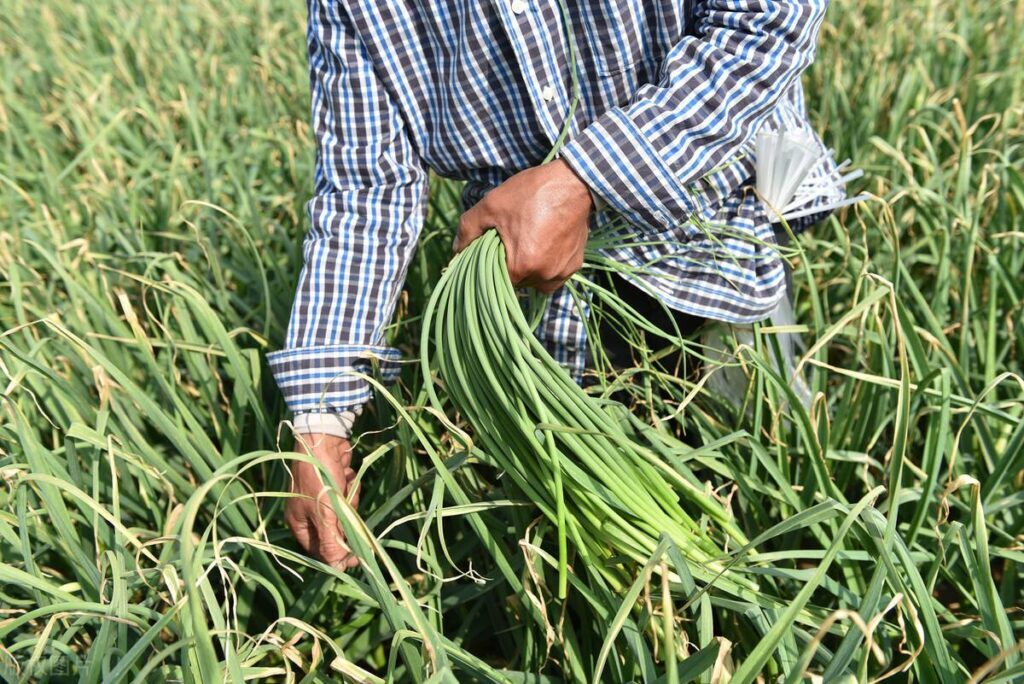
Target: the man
(671, 96)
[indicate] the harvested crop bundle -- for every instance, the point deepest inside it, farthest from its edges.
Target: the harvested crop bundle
(580, 460)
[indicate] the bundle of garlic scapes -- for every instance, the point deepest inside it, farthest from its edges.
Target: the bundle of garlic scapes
(608, 495)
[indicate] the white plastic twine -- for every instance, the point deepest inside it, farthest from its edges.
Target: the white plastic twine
(730, 381)
(784, 162)
(790, 181)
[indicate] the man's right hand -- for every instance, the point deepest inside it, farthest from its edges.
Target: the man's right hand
(310, 516)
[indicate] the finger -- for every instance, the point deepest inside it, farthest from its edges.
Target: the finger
(300, 530)
(335, 556)
(331, 547)
(540, 282)
(536, 271)
(550, 287)
(330, 537)
(472, 225)
(553, 284)
(519, 271)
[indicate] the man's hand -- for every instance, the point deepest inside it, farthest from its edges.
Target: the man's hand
(541, 215)
(310, 516)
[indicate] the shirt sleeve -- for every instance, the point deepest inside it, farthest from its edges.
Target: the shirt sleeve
(365, 217)
(659, 159)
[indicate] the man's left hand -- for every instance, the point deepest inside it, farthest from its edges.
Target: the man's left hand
(541, 215)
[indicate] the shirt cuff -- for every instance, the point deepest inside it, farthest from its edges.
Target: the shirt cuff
(617, 161)
(324, 378)
(338, 424)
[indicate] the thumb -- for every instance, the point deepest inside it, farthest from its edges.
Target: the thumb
(472, 225)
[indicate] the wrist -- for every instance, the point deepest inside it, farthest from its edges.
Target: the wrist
(329, 450)
(579, 191)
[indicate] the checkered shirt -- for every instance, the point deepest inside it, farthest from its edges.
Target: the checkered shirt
(672, 94)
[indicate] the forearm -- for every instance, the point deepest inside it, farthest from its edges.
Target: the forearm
(365, 217)
(681, 144)
(355, 266)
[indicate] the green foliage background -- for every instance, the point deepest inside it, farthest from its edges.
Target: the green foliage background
(154, 164)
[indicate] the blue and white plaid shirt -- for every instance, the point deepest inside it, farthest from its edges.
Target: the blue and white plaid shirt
(672, 94)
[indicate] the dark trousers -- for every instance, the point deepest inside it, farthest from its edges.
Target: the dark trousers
(619, 351)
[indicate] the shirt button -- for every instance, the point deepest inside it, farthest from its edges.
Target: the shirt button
(518, 6)
(547, 94)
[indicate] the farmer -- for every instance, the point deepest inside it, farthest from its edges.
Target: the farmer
(671, 95)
